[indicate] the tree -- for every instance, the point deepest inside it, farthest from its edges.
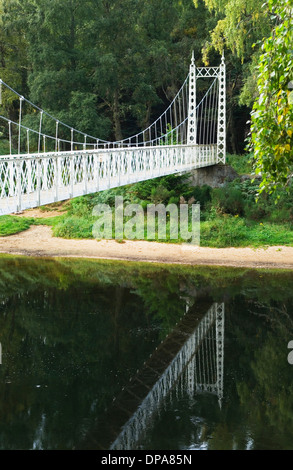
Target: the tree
(261, 35)
(238, 24)
(272, 115)
(58, 78)
(13, 62)
(106, 68)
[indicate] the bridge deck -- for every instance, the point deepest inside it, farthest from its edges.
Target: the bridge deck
(29, 181)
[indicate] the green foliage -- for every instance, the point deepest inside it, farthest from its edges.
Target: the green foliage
(228, 200)
(272, 115)
(202, 195)
(105, 68)
(241, 198)
(9, 225)
(241, 163)
(240, 23)
(78, 223)
(74, 227)
(4, 147)
(171, 137)
(230, 215)
(160, 194)
(229, 231)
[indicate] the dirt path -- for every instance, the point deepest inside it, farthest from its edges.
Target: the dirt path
(38, 241)
(41, 214)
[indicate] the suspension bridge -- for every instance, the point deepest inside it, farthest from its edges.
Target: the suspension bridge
(190, 360)
(43, 168)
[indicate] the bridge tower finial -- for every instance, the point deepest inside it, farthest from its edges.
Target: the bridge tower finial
(192, 59)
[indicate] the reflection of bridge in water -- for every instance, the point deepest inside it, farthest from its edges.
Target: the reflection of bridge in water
(190, 360)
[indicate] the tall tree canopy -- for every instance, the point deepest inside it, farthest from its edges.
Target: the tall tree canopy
(272, 115)
(105, 67)
(261, 35)
(109, 68)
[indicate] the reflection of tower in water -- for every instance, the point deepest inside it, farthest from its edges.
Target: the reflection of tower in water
(196, 368)
(205, 347)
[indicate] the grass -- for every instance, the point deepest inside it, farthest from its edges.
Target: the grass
(220, 231)
(240, 163)
(230, 217)
(71, 226)
(11, 225)
(228, 231)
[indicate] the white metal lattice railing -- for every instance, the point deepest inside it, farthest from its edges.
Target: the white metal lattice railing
(28, 181)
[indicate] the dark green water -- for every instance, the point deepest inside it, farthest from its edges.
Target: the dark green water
(77, 334)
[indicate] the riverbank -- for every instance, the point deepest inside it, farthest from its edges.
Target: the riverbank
(38, 241)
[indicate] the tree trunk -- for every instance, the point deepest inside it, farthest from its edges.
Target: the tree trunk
(146, 122)
(116, 117)
(232, 132)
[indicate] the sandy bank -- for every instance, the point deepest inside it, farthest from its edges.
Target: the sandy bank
(38, 241)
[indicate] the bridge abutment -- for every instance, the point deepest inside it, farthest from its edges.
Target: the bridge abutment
(214, 176)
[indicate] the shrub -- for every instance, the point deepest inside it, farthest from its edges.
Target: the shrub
(74, 227)
(202, 195)
(228, 200)
(160, 194)
(241, 163)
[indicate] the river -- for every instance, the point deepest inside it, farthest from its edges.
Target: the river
(115, 355)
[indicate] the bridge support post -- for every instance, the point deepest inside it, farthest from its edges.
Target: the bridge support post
(10, 166)
(221, 139)
(29, 166)
(85, 173)
(56, 174)
(97, 164)
(71, 172)
(18, 166)
(192, 124)
(39, 180)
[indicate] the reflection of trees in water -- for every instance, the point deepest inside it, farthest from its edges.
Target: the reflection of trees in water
(260, 415)
(71, 328)
(81, 328)
(277, 315)
(77, 345)
(257, 408)
(272, 391)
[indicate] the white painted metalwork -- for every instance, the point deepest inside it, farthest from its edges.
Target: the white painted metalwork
(221, 143)
(29, 181)
(192, 114)
(188, 135)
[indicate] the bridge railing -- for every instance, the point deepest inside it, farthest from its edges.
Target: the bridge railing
(28, 181)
